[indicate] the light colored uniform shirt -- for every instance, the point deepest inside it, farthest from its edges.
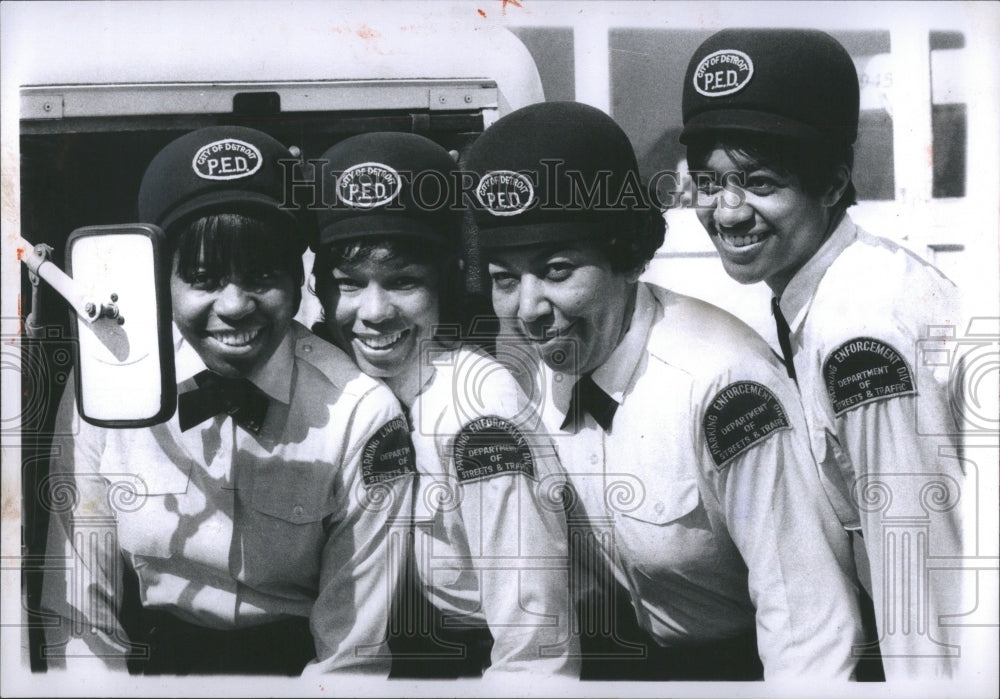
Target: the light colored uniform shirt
(491, 540)
(227, 529)
(868, 321)
(704, 495)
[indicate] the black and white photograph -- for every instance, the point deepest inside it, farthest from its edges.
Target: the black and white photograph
(500, 348)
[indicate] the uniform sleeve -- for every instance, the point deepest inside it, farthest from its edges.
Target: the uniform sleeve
(83, 581)
(365, 548)
(800, 567)
(894, 419)
(516, 530)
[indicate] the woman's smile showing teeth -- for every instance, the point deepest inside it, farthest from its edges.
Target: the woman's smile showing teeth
(235, 338)
(382, 342)
(742, 241)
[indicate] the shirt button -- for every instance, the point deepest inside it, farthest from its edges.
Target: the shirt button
(298, 510)
(307, 348)
(593, 459)
(659, 508)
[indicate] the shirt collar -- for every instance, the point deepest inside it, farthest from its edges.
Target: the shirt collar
(274, 377)
(800, 290)
(615, 375)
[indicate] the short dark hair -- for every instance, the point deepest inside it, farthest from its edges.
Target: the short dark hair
(813, 162)
(421, 251)
(635, 244)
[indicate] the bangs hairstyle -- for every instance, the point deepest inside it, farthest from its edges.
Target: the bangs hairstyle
(239, 243)
(451, 289)
(813, 163)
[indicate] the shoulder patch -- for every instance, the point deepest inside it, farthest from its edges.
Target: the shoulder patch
(388, 454)
(490, 446)
(863, 370)
(741, 415)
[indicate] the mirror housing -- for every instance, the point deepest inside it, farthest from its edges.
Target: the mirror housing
(125, 356)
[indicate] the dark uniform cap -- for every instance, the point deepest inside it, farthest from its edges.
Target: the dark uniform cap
(785, 82)
(521, 200)
(388, 184)
(217, 169)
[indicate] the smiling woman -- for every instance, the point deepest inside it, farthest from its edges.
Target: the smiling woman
(235, 288)
(570, 301)
(256, 517)
(385, 295)
(849, 310)
(768, 207)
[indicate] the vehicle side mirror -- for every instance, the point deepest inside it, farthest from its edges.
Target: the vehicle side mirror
(125, 364)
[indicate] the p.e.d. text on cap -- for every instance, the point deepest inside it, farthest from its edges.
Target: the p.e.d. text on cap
(723, 73)
(368, 185)
(227, 159)
(505, 192)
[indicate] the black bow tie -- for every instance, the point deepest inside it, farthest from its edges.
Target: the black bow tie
(218, 394)
(590, 398)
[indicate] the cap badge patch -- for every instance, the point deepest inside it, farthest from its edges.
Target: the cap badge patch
(505, 192)
(723, 73)
(368, 185)
(228, 159)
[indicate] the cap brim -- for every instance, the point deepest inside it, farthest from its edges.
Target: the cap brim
(219, 202)
(539, 233)
(378, 226)
(749, 121)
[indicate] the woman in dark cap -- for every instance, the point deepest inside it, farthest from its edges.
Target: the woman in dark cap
(255, 539)
(771, 116)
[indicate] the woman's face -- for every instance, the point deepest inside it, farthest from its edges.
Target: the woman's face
(763, 223)
(234, 322)
(565, 299)
(385, 307)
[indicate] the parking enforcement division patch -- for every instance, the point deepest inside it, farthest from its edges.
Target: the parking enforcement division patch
(388, 454)
(863, 370)
(490, 446)
(741, 415)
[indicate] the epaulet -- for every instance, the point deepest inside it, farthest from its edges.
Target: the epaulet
(332, 362)
(478, 385)
(722, 338)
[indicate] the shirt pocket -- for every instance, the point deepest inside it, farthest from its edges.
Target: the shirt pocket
(144, 490)
(287, 524)
(666, 502)
(291, 493)
(668, 534)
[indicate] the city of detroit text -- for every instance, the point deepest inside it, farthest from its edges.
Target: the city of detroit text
(431, 190)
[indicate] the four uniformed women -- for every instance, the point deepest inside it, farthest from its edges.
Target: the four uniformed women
(278, 509)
